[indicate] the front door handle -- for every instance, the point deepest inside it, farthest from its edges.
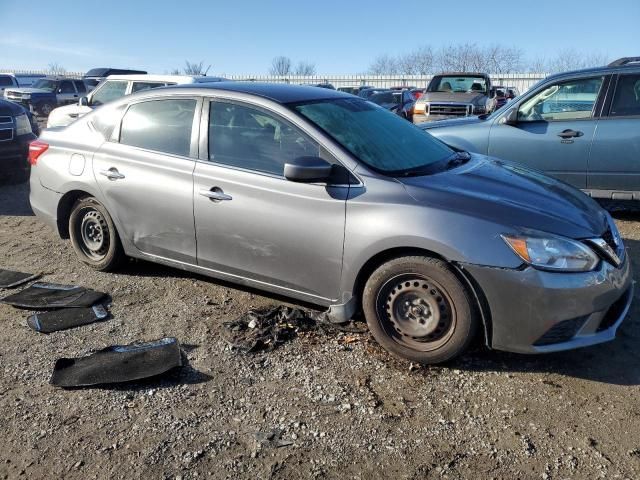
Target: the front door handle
(112, 174)
(215, 194)
(568, 133)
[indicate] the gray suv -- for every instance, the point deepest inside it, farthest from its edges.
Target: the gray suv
(582, 127)
(327, 198)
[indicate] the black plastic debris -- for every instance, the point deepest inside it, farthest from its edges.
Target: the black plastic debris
(66, 318)
(267, 328)
(45, 296)
(118, 363)
(11, 279)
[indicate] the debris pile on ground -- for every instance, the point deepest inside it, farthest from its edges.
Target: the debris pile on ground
(267, 328)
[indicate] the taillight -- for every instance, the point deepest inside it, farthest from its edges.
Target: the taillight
(36, 148)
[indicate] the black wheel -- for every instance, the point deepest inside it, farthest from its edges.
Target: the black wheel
(45, 109)
(417, 309)
(93, 235)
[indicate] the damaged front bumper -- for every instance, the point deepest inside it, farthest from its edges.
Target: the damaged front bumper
(534, 311)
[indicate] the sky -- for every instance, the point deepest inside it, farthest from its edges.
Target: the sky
(339, 37)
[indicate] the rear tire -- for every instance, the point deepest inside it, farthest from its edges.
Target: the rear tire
(94, 236)
(418, 310)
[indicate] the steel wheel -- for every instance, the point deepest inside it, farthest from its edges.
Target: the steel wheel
(416, 312)
(94, 234)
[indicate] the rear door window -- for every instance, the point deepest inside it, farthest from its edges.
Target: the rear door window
(66, 86)
(626, 101)
(253, 139)
(80, 86)
(160, 125)
(108, 91)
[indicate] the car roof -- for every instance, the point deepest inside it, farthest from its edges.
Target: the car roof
(279, 92)
(167, 78)
(605, 69)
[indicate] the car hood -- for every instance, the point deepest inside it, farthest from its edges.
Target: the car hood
(511, 195)
(29, 90)
(451, 122)
(454, 97)
(10, 109)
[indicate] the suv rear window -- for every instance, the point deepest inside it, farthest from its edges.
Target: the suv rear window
(627, 98)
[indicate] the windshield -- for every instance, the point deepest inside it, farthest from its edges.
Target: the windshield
(458, 83)
(45, 84)
(380, 139)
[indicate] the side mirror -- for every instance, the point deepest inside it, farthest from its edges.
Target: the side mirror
(307, 170)
(83, 102)
(511, 117)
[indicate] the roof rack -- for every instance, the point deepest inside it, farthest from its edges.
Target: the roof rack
(624, 61)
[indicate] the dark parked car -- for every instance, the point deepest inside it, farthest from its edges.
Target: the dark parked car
(367, 92)
(400, 102)
(582, 127)
(47, 93)
(17, 130)
(330, 199)
(353, 90)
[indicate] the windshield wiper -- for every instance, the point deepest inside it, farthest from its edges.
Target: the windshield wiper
(457, 159)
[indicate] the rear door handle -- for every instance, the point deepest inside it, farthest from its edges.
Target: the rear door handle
(568, 133)
(112, 174)
(215, 194)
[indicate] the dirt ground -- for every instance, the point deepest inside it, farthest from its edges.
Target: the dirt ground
(348, 409)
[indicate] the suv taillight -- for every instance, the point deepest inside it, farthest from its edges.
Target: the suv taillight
(36, 148)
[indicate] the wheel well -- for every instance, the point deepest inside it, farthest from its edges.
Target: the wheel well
(64, 210)
(465, 278)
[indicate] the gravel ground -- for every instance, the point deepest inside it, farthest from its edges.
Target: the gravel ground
(348, 409)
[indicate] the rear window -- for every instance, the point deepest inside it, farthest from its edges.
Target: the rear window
(159, 125)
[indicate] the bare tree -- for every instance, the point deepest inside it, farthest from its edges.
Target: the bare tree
(417, 62)
(384, 65)
(571, 59)
(280, 66)
(175, 71)
(305, 68)
(56, 69)
(193, 68)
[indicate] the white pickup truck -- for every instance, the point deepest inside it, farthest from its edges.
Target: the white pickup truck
(114, 87)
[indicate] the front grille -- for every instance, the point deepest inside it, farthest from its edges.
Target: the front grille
(561, 332)
(6, 134)
(615, 312)
(5, 120)
(457, 110)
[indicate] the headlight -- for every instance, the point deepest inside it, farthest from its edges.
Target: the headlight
(23, 125)
(549, 252)
(480, 109)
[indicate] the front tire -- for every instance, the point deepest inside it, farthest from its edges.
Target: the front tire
(45, 109)
(94, 236)
(417, 309)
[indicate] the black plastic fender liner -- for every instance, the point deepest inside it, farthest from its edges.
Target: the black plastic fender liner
(11, 279)
(65, 318)
(118, 363)
(45, 296)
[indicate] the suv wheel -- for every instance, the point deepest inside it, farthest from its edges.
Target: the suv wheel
(93, 235)
(417, 309)
(45, 109)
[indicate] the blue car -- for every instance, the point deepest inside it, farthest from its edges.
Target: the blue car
(582, 127)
